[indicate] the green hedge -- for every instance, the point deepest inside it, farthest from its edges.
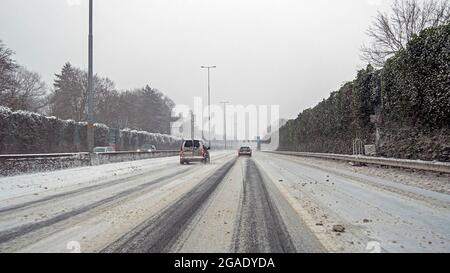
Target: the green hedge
(411, 95)
(332, 125)
(25, 132)
(416, 82)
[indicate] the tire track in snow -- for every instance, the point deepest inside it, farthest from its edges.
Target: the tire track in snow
(89, 189)
(11, 234)
(260, 227)
(158, 234)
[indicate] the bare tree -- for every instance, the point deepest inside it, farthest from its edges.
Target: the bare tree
(7, 68)
(391, 32)
(30, 91)
(20, 89)
(25, 90)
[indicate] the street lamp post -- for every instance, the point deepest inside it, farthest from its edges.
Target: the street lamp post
(209, 101)
(225, 122)
(90, 91)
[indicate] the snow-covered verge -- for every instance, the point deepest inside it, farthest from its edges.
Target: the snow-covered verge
(432, 181)
(26, 132)
(434, 166)
(19, 164)
(38, 185)
(376, 209)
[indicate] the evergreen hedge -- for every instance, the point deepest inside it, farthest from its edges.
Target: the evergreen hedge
(24, 132)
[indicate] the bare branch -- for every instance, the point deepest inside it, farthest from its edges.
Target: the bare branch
(391, 32)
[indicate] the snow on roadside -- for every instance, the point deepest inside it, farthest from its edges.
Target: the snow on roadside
(370, 213)
(425, 180)
(36, 183)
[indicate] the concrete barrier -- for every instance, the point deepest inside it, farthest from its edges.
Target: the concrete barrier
(105, 158)
(30, 163)
(434, 166)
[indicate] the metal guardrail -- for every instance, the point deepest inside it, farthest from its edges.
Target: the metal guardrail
(34, 156)
(15, 164)
(435, 166)
(112, 157)
(26, 156)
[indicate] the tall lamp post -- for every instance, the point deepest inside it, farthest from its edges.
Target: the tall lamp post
(209, 100)
(90, 91)
(225, 122)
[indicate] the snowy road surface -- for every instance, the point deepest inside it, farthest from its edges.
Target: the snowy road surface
(267, 203)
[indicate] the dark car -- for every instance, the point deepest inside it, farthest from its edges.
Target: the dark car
(245, 151)
(148, 148)
(100, 150)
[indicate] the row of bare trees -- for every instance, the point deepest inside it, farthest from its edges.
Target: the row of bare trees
(20, 88)
(392, 31)
(144, 108)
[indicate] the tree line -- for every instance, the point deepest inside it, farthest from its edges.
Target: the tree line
(20, 88)
(391, 32)
(145, 109)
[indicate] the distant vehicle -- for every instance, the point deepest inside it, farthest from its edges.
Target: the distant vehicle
(194, 151)
(147, 148)
(98, 150)
(245, 151)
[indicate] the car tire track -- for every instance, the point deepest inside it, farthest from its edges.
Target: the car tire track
(160, 233)
(82, 190)
(75, 192)
(13, 233)
(260, 227)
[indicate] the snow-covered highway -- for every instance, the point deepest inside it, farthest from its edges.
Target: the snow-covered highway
(267, 203)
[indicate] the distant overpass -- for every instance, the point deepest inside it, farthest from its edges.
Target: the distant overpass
(235, 144)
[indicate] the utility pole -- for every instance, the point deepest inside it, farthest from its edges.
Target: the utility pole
(225, 122)
(209, 101)
(192, 126)
(90, 91)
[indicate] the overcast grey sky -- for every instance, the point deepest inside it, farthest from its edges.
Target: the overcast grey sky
(287, 52)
